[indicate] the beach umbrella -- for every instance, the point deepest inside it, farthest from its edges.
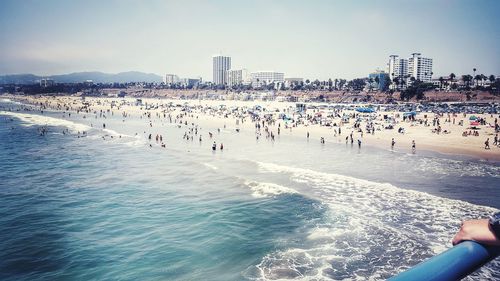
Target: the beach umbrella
(473, 117)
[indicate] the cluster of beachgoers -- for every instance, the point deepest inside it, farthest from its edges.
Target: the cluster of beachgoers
(470, 130)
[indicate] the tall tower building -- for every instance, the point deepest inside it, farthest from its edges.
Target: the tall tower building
(420, 68)
(171, 79)
(398, 67)
(221, 65)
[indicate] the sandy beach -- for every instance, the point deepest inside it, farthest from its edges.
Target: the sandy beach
(450, 139)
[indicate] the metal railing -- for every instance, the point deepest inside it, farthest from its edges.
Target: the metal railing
(453, 264)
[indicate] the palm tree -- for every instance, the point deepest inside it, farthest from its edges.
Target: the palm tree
(474, 69)
(492, 80)
(370, 84)
(396, 81)
(452, 78)
(441, 79)
(477, 78)
(467, 78)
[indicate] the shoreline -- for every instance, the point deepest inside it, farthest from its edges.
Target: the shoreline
(452, 144)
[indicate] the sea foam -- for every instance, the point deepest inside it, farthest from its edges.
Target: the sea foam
(40, 120)
(403, 226)
(266, 189)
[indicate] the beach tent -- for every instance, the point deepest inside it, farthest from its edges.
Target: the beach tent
(473, 117)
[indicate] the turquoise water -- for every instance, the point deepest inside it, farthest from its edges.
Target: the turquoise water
(115, 209)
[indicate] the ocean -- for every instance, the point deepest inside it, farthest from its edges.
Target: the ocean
(107, 206)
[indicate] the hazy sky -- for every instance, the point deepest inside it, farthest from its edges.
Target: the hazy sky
(310, 39)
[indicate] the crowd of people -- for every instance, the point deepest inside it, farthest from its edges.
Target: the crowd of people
(328, 124)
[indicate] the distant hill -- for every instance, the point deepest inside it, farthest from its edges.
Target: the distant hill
(95, 76)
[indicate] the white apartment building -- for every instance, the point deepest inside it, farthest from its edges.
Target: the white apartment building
(238, 77)
(420, 68)
(416, 66)
(221, 64)
(171, 79)
(262, 78)
(398, 67)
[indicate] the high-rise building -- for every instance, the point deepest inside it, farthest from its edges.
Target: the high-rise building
(171, 79)
(398, 67)
(262, 78)
(420, 68)
(238, 77)
(46, 82)
(404, 69)
(221, 65)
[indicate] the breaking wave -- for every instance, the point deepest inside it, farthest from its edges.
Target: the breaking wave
(34, 120)
(371, 231)
(10, 101)
(266, 189)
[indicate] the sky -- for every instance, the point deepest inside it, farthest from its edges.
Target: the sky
(309, 39)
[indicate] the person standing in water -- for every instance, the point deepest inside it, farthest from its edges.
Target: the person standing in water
(214, 146)
(393, 143)
(413, 146)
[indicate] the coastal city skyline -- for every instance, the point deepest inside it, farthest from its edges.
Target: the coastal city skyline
(316, 40)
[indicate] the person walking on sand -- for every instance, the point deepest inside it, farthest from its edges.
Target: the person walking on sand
(413, 146)
(221, 146)
(487, 144)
